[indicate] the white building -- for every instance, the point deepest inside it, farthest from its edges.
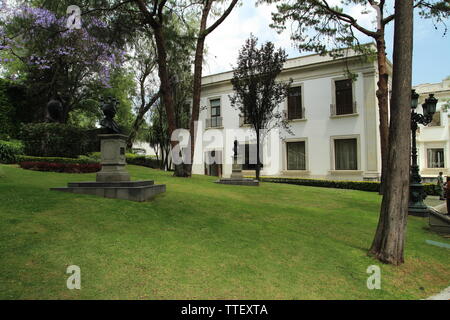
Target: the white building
(433, 141)
(334, 121)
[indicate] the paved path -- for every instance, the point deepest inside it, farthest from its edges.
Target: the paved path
(440, 206)
(444, 295)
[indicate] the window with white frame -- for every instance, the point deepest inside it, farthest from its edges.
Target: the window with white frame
(346, 154)
(295, 108)
(435, 158)
(344, 96)
(296, 155)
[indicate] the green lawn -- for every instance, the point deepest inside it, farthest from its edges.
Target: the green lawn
(201, 240)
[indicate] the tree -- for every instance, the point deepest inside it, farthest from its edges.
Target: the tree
(257, 94)
(52, 60)
(323, 28)
(156, 15)
(389, 241)
(198, 63)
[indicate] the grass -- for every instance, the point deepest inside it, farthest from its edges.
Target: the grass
(201, 240)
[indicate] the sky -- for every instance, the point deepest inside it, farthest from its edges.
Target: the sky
(431, 55)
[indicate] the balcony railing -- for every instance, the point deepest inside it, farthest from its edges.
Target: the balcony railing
(214, 122)
(334, 111)
(287, 117)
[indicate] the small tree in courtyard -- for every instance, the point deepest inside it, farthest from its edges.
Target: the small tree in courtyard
(257, 94)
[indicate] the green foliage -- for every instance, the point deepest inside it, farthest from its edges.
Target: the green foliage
(10, 151)
(372, 186)
(58, 140)
(146, 161)
(79, 160)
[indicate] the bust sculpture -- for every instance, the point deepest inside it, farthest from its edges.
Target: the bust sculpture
(54, 109)
(235, 149)
(109, 109)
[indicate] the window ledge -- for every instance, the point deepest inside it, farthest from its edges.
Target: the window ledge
(245, 125)
(337, 172)
(297, 120)
(295, 172)
(210, 128)
(430, 127)
(344, 115)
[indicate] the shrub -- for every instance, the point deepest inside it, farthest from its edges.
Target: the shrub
(372, 186)
(10, 150)
(79, 160)
(58, 140)
(61, 167)
(139, 160)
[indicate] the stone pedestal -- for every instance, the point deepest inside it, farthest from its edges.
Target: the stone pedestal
(237, 178)
(113, 147)
(113, 181)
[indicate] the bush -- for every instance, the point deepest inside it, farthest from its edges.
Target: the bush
(62, 167)
(140, 160)
(79, 160)
(58, 140)
(372, 186)
(10, 150)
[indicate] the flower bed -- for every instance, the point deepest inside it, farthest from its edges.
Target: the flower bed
(61, 167)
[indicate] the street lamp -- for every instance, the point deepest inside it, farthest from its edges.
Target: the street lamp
(417, 193)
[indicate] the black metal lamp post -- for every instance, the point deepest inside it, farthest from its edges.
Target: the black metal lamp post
(416, 191)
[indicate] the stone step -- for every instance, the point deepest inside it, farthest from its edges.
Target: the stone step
(121, 184)
(137, 193)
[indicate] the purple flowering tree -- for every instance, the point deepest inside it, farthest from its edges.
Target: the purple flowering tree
(38, 50)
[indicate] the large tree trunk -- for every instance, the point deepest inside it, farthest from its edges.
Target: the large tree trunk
(166, 91)
(258, 162)
(382, 95)
(388, 244)
(198, 68)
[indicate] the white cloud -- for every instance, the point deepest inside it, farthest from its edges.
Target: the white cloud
(224, 43)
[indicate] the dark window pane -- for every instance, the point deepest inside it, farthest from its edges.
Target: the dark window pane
(295, 103)
(296, 158)
(250, 157)
(344, 97)
(345, 152)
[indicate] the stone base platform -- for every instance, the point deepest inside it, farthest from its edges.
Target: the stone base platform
(128, 190)
(239, 182)
(439, 220)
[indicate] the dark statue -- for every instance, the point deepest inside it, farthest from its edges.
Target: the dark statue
(109, 109)
(54, 110)
(235, 149)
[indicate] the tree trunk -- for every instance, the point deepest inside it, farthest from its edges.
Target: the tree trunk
(258, 162)
(382, 95)
(388, 244)
(166, 91)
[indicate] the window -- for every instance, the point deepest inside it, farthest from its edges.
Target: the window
(250, 157)
(344, 96)
(216, 120)
(436, 121)
(296, 157)
(435, 158)
(295, 110)
(345, 154)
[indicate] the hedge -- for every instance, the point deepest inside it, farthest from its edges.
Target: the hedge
(10, 150)
(79, 160)
(140, 160)
(372, 186)
(61, 167)
(58, 140)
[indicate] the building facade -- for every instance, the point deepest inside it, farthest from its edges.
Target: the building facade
(433, 140)
(334, 131)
